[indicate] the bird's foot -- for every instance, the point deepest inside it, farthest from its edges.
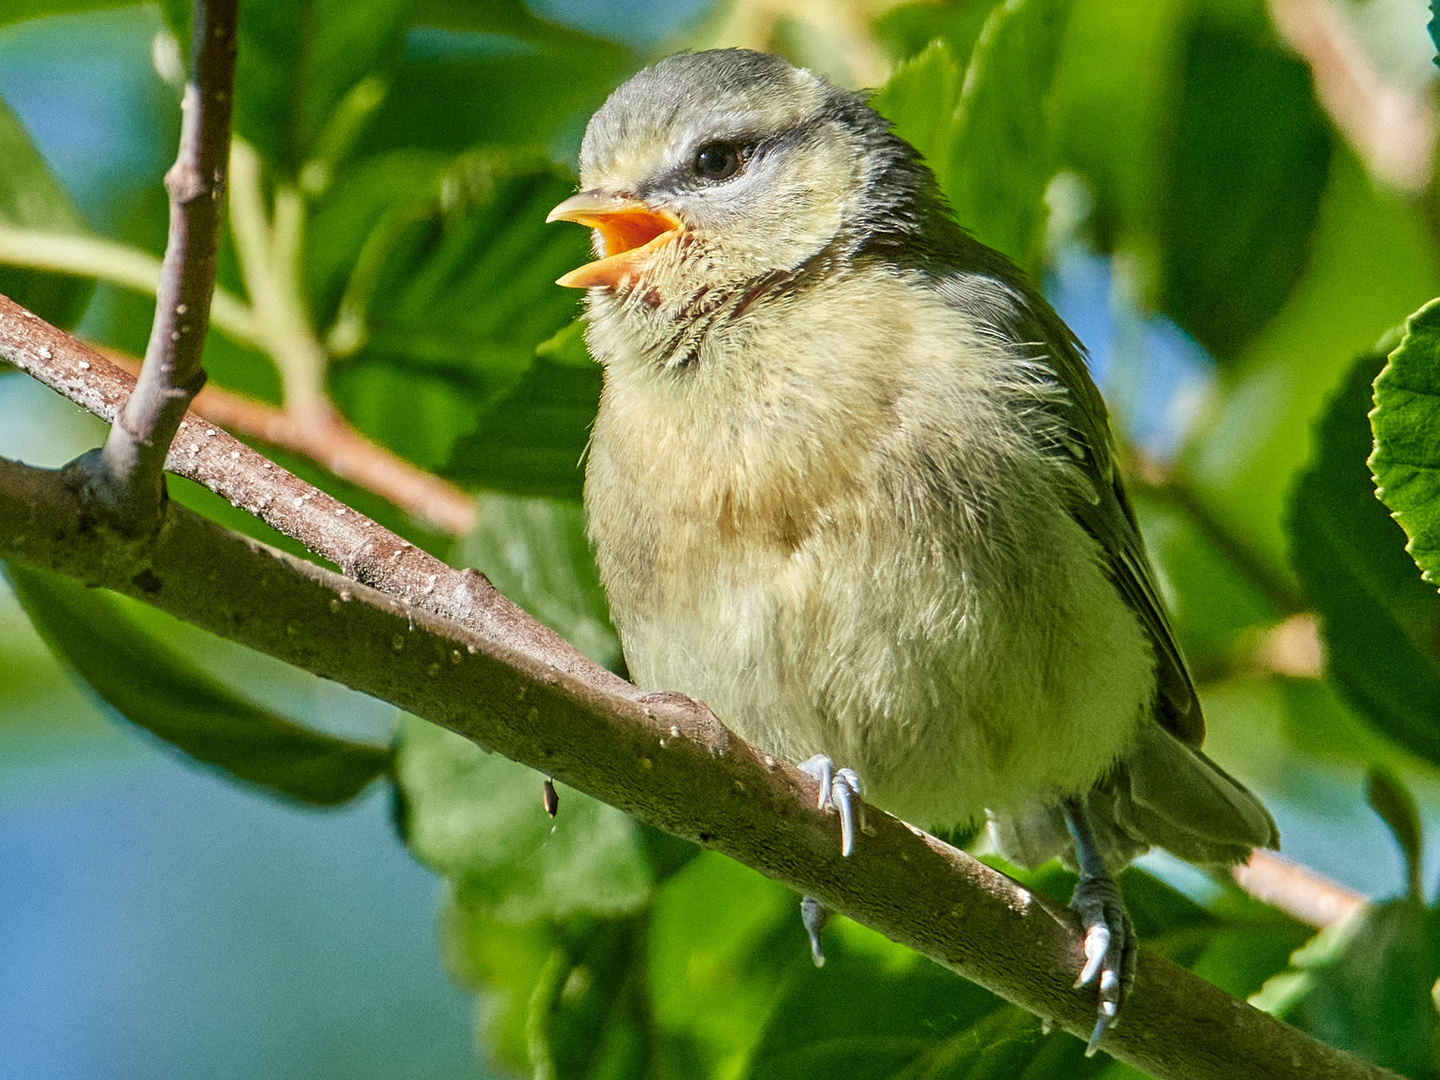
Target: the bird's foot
(1110, 948)
(814, 915)
(837, 788)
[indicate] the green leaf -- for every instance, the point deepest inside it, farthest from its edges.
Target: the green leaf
(32, 198)
(478, 819)
(446, 298)
(1212, 601)
(447, 270)
(1406, 423)
(1391, 799)
(157, 690)
(19, 10)
(562, 998)
(586, 1015)
(1001, 155)
(420, 415)
(1372, 262)
(532, 440)
(505, 962)
(1241, 192)
(920, 98)
(1381, 622)
(905, 31)
(496, 76)
(535, 552)
(877, 1010)
(357, 220)
(1373, 999)
(297, 61)
(1206, 153)
(470, 286)
(509, 18)
(722, 942)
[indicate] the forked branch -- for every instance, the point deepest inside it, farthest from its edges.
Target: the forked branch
(127, 476)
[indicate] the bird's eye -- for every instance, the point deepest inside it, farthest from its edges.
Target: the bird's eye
(720, 161)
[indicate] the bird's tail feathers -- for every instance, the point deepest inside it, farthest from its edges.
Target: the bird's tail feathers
(1160, 793)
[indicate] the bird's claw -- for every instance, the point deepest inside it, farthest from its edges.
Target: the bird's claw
(1110, 949)
(837, 787)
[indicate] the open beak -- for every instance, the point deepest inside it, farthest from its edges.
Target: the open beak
(629, 232)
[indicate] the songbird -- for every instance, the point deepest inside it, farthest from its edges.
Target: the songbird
(851, 485)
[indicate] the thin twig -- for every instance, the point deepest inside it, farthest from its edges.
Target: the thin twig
(492, 674)
(128, 478)
(1390, 127)
(325, 437)
(1296, 890)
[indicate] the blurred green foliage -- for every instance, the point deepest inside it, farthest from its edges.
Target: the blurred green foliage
(422, 143)
(31, 198)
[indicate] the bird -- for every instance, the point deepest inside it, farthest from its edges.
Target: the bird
(850, 483)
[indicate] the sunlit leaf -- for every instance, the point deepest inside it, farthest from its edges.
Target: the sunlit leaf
(1381, 620)
(906, 30)
(32, 198)
(1406, 423)
(159, 691)
(919, 99)
(1001, 156)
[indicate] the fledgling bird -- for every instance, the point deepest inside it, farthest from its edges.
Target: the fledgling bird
(851, 485)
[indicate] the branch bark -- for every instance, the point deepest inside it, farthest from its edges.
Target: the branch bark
(446, 646)
(127, 479)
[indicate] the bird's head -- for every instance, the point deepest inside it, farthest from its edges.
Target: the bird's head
(712, 170)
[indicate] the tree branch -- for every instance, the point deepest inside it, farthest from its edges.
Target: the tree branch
(362, 549)
(462, 656)
(127, 477)
(1296, 890)
(665, 760)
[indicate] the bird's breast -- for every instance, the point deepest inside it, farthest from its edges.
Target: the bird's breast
(805, 530)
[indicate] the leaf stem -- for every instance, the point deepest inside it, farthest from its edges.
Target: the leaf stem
(119, 264)
(269, 252)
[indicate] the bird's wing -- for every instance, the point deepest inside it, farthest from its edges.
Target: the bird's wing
(1027, 318)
